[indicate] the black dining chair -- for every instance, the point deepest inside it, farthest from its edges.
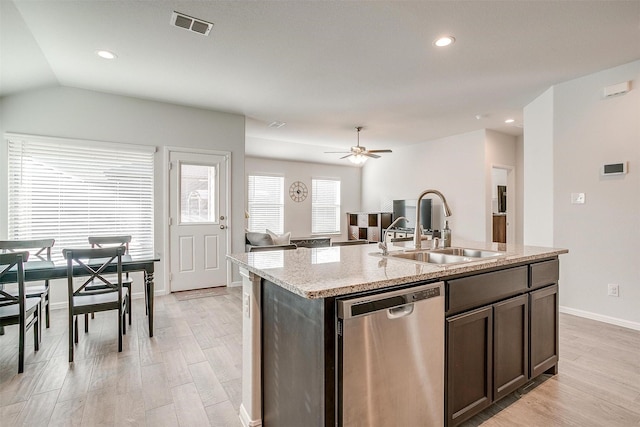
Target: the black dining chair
(18, 309)
(127, 282)
(111, 296)
(40, 251)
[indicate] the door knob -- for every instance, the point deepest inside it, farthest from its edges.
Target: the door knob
(222, 227)
(221, 217)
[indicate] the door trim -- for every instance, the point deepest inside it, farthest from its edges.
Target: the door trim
(166, 247)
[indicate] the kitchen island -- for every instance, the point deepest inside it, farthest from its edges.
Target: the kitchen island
(507, 304)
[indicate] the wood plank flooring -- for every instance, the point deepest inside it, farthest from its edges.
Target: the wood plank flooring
(189, 373)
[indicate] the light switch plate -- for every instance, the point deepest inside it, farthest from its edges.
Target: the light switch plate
(578, 198)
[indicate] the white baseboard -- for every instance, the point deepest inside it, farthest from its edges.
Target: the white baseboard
(235, 284)
(246, 420)
(601, 318)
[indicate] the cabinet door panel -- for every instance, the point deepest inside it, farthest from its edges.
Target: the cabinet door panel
(469, 364)
(510, 345)
(544, 329)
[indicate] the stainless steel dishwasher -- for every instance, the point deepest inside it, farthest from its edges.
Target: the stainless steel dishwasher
(391, 358)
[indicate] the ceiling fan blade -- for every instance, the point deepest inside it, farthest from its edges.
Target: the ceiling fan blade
(348, 155)
(373, 156)
(337, 152)
(380, 151)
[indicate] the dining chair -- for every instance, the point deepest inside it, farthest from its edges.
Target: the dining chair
(18, 309)
(127, 282)
(40, 250)
(111, 296)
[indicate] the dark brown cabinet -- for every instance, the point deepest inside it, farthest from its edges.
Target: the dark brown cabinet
(469, 364)
(510, 345)
(487, 356)
(500, 228)
(502, 330)
(544, 330)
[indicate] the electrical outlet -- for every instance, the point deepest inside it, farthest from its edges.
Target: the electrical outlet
(613, 290)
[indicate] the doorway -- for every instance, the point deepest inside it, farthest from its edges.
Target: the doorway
(198, 218)
(503, 204)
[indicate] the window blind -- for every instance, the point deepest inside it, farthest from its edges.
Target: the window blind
(68, 191)
(325, 206)
(266, 203)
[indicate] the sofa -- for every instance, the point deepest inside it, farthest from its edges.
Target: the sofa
(253, 240)
(264, 241)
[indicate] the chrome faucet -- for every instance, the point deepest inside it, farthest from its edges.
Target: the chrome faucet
(383, 245)
(417, 235)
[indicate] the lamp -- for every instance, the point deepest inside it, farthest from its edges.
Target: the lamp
(357, 159)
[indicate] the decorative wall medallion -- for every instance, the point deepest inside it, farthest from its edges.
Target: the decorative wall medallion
(298, 191)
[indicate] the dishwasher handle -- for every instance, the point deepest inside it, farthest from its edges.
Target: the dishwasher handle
(398, 312)
(397, 303)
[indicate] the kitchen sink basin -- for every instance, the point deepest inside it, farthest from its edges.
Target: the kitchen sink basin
(466, 252)
(446, 255)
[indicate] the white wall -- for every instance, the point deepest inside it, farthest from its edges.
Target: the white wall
(297, 215)
(603, 234)
(519, 217)
(538, 171)
(454, 165)
(82, 114)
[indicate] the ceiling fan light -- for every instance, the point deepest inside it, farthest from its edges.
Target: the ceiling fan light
(357, 159)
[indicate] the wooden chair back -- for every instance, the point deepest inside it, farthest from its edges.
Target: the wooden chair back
(105, 241)
(10, 263)
(39, 248)
(94, 262)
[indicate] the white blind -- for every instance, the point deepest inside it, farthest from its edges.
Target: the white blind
(266, 203)
(68, 191)
(325, 206)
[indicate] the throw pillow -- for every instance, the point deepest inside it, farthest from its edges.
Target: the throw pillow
(259, 239)
(283, 239)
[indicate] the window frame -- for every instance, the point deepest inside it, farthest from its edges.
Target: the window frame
(337, 206)
(81, 172)
(279, 228)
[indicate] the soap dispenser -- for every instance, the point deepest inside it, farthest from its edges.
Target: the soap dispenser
(446, 235)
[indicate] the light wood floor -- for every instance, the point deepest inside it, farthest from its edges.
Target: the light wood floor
(189, 373)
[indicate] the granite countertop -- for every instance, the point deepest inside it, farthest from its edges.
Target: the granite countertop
(341, 270)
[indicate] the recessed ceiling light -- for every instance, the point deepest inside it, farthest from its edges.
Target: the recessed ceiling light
(444, 41)
(106, 54)
(276, 124)
(509, 121)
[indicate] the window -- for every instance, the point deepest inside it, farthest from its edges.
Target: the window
(69, 190)
(325, 206)
(197, 194)
(266, 203)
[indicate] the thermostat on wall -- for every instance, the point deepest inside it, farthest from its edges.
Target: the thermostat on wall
(614, 168)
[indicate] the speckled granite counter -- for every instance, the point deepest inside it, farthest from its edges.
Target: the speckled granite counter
(333, 271)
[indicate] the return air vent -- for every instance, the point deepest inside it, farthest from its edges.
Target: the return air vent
(191, 24)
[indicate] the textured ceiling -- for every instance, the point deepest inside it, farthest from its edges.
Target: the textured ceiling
(323, 67)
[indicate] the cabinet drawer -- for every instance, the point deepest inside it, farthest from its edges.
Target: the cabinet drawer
(482, 289)
(544, 273)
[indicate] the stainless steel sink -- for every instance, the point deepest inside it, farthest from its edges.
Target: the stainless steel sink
(467, 252)
(446, 255)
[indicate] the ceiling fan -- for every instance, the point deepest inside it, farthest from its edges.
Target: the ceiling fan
(359, 154)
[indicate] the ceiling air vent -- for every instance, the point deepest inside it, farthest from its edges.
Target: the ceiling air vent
(192, 24)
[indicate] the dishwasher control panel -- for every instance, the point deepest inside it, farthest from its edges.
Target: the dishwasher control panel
(387, 300)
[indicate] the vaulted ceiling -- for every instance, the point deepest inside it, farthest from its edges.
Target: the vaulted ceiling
(323, 67)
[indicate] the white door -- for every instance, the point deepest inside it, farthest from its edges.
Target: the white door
(198, 220)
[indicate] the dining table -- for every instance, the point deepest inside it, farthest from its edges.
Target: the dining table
(57, 269)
